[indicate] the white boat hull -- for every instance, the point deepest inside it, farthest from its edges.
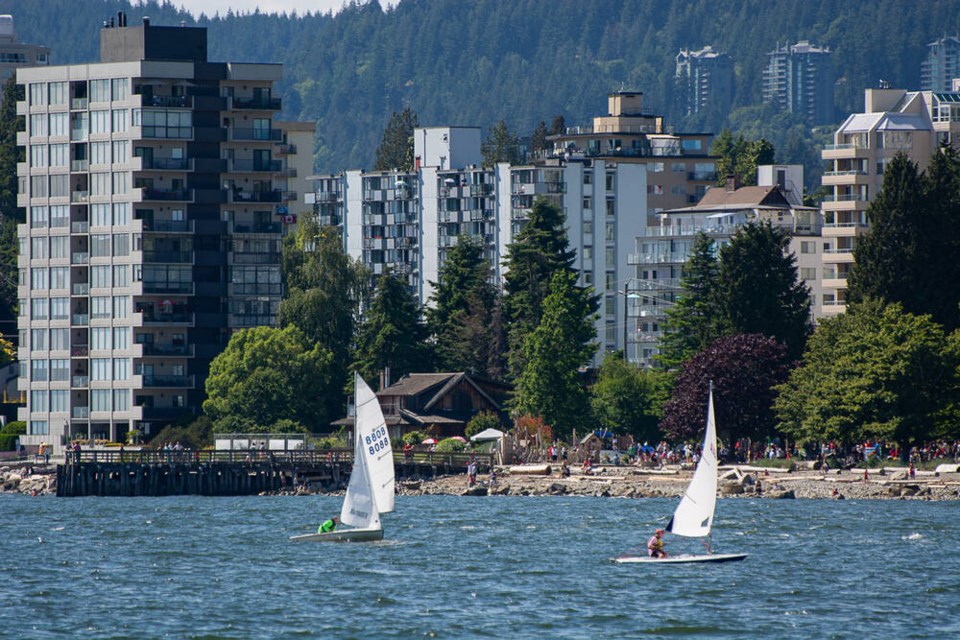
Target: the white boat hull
(346, 535)
(681, 559)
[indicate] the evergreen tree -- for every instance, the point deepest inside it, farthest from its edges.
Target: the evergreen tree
(538, 139)
(692, 322)
(558, 125)
(549, 385)
(538, 252)
(623, 399)
(324, 290)
(500, 146)
(392, 333)
(10, 215)
(759, 290)
(884, 257)
(463, 317)
(938, 269)
(396, 146)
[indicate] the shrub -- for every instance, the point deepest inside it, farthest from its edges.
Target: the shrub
(451, 445)
(481, 422)
(415, 437)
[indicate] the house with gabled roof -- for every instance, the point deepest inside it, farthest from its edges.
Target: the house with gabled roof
(438, 403)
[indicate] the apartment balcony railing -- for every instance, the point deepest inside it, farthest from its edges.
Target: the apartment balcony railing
(79, 196)
(167, 101)
(850, 172)
(843, 197)
(256, 103)
(706, 176)
(168, 256)
(167, 287)
(167, 381)
(80, 412)
(153, 317)
(166, 133)
(79, 103)
(80, 227)
(167, 164)
(80, 257)
(167, 195)
(79, 165)
(238, 195)
(837, 147)
(168, 226)
(263, 227)
(80, 382)
(81, 289)
(268, 135)
(285, 149)
(245, 166)
(159, 349)
(80, 319)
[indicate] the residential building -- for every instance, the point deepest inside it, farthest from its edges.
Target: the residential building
(799, 78)
(407, 221)
(895, 121)
(704, 80)
(156, 185)
(665, 249)
(679, 167)
(941, 65)
(438, 403)
(14, 55)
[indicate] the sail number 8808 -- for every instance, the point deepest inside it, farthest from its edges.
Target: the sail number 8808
(377, 441)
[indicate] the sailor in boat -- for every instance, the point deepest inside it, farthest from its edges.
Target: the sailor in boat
(329, 525)
(655, 545)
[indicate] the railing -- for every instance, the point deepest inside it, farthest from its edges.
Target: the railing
(80, 319)
(168, 226)
(285, 149)
(167, 101)
(163, 318)
(256, 134)
(80, 382)
(80, 227)
(160, 286)
(255, 196)
(256, 103)
(843, 197)
(167, 381)
(171, 164)
(80, 412)
(78, 103)
(154, 349)
(184, 195)
(239, 166)
(263, 227)
(79, 165)
(851, 172)
(80, 350)
(79, 196)
(81, 289)
(167, 256)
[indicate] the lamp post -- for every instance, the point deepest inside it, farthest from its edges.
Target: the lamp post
(627, 295)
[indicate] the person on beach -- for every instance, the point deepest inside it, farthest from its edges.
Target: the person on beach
(329, 526)
(655, 545)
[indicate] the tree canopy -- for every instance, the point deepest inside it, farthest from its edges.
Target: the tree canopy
(501, 145)
(876, 372)
(623, 398)
(269, 380)
(396, 146)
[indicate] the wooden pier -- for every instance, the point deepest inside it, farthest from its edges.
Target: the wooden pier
(231, 473)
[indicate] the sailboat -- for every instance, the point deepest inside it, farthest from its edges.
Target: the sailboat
(694, 515)
(371, 489)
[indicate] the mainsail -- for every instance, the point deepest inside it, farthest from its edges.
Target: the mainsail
(694, 515)
(359, 505)
(373, 442)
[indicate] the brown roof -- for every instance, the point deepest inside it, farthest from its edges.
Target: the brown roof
(416, 383)
(717, 197)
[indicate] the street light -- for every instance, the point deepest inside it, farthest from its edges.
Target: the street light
(627, 295)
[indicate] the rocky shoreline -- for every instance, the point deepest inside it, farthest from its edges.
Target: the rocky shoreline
(29, 479)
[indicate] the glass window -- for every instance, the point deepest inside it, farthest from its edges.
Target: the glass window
(59, 308)
(40, 278)
(59, 246)
(39, 428)
(59, 155)
(100, 184)
(100, 276)
(121, 213)
(60, 369)
(99, 153)
(100, 307)
(38, 248)
(59, 277)
(120, 120)
(121, 275)
(39, 217)
(100, 215)
(121, 88)
(121, 244)
(59, 400)
(58, 93)
(38, 155)
(38, 370)
(100, 245)
(38, 340)
(100, 121)
(38, 124)
(121, 368)
(121, 337)
(59, 215)
(39, 308)
(121, 182)
(38, 401)
(100, 399)
(59, 339)
(99, 91)
(121, 151)
(100, 338)
(99, 368)
(121, 399)
(121, 306)
(59, 124)
(60, 186)
(39, 186)
(38, 93)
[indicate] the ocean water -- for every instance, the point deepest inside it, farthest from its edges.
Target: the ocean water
(459, 567)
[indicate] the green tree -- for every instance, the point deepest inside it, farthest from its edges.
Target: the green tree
(266, 378)
(623, 399)
(10, 215)
(500, 146)
(539, 251)
(876, 372)
(692, 321)
(538, 139)
(392, 333)
(396, 146)
(740, 157)
(549, 385)
(461, 314)
(481, 422)
(325, 288)
(759, 290)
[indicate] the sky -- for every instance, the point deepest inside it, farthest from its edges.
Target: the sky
(212, 7)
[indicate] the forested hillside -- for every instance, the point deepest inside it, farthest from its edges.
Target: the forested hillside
(475, 62)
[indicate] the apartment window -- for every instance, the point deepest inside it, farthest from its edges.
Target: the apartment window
(59, 277)
(588, 253)
(611, 181)
(100, 245)
(99, 307)
(610, 231)
(121, 213)
(59, 124)
(120, 120)
(59, 215)
(587, 203)
(121, 182)
(261, 128)
(121, 399)
(121, 368)
(100, 338)
(100, 215)
(39, 428)
(99, 153)
(38, 155)
(100, 184)
(59, 155)
(59, 308)
(808, 246)
(100, 121)
(100, 399)
(121, 337)
(38, 402)
(38, 125)
(121, 244)
(808, 273)
(678, 167)
(58, 93)
(39, 186)
(38, 340)
(121, 275)
(38, 370)
(38, 93)
(121, 151)
(611, 207)
(40, 279)
(610, 256)
(99, 91)
(100, 276)
(588, 177)
(655, 167)
(611, 281)
(39, 308)
(59, 400)
(39, 217)
(120, 88)
(60, 186)
(588, 227)
(121, 306)
(59, 369)
(99, 368)
(59, 339)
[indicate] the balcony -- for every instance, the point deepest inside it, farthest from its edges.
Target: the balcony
(239, 195)
(80, 319)
(184, 102)
(178, 317)
(79, 351)
(159, 349)
(80, 257)
(285, 149)
(80, 382)
(256, 103)
(166, 164)
(79, 165)
(168, 226)
(161, 286)
(79, 104)
(168, 195)
(167, 381)
(80, 227)
(264, 227)
(167, 133)
(252, 166)
(81, 289)
(79, 196)
(265, 135)
(80, 412)
(176, 257)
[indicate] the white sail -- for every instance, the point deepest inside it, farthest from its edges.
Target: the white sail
(694, 515)
(359, 505)
(373, 440)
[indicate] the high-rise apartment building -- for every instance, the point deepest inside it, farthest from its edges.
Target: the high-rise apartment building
(799, 78)
(941, 65)
(14, 55)
(665, 248)
(157, 187)
(704, 80)
(407, 222)
(895, 121)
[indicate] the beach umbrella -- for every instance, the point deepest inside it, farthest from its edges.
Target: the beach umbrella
(460, 438)
(429, 441)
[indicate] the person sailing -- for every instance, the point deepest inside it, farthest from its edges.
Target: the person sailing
(655, 545)
(329, 525)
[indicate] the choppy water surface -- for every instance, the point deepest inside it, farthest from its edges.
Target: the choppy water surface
(456, 567)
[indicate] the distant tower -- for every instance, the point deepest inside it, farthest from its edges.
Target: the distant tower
(14, 54)
(941, 65)
(704, 80)
(799, 78)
